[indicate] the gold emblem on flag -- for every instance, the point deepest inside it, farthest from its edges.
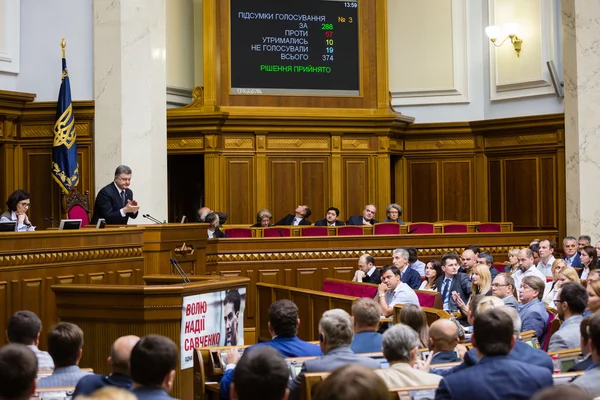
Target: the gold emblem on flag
(64, 129)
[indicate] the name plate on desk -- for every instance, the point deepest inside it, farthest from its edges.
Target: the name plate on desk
(211, 319)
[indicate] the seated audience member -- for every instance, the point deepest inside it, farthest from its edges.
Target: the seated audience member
(298, 218)
(263, 219)
(552, 287)
(366, 314)
(261, 373)
(408, 275)
(496, 376)
(393, 213)
(25, 327)
(109, 393)
(367, 271)
(565, 275)
(452, 281)
(481, 283)
(120, 355)
(352, 382)
(585, 346)
(18, 205)
(583, 241)
(401, 349)
(535, 252)
(368, 217)
(589, 260)
(513, 261)
(335, 336)
(593, 291)
(546, 252)
(487, 259)
(533, 311)
(570, 304)
(571, 254)
(443, 338)
(393, 291)
(593, 276)
(468, 260)
(414, 262)
(561, 392)
(202, 213)
(214, 232)
(590, 380)
(65, 343)
(283, 328)
(527, 268)
(331, 218)
(18, 372)
(503, 288)
(414, 317)
(153, 364)
(433, 270)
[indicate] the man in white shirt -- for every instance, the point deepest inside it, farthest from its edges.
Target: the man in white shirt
(526, 267)
(393, 291)
(546, 257)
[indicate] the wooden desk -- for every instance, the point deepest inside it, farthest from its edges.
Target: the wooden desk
(31, 262)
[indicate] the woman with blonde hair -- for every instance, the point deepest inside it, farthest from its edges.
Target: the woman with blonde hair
(481, 283)
(263, 219)
(552, 287)
(593, 291)
(513, 261)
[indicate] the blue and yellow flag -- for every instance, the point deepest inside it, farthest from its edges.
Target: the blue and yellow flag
(65, 170)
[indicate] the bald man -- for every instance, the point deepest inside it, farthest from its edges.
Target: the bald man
(468, 259)
(120, 354)
(443, 338)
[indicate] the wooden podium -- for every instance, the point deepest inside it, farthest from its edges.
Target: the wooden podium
(106, 312)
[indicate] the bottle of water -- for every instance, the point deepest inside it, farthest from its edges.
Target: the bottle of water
(556, 364)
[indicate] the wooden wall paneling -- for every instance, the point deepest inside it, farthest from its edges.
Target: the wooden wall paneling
(314, 186)
(561, 185)
(251, 293)
(422, 192)
(495, 191)
(521, 191)
(480, 184)
(44, 192)
(549, 193)
(320, 304)
(32, 295)
(240, 189)
(5, 312)
(97, 278)
(302, 301)
(457, 190)
(342, 273)
(356, 195)
(283, 187)
(308, 278)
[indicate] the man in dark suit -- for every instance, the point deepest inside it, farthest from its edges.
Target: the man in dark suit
(452, 281)
(571, 255)
(331, 219)
(214, 232)
(368, 217)
(335, 336)
(408, 275)
(496, 376)
(443, 338)
(299, 218)
(114, 201)
(367, 272)
(153, 364)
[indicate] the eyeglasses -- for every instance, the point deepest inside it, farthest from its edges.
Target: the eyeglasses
(558, 301)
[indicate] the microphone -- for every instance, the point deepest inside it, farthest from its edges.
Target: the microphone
(179, 270)
(280, 233)
(413, 230)
(183, 219)
(476, 228)
(51, 220)
(151, 218)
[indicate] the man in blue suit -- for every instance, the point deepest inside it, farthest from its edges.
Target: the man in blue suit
(496, 376)
(408, 275)
(571, 254)
(366, 313)
(368, 217)
(283, 327)
(533, 310)
(153, 364)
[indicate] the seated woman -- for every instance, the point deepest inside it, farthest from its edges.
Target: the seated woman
(394, 211)
(593, 291)
(413, 316)
(513, 261)
(567, 274)
(481, 283)
(18, 204)
(433, 270)
(552, 287)
(589, 260)
(263, 219)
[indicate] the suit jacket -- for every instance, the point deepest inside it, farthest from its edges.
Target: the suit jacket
(366, 342)
(567, 336)
(460, 284)
(535, 317)
(219, 234)
(511, 302)
(445, 357)
(374, 278)
(495, 378)
(403, 375)
(289, 220)
(108, 205)
(412, 278)
(90, 383)
(146, 393)
(333, 359)
(323, 222)
(576, 261)
(590, 381)
(63, 376)
(358, 220)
